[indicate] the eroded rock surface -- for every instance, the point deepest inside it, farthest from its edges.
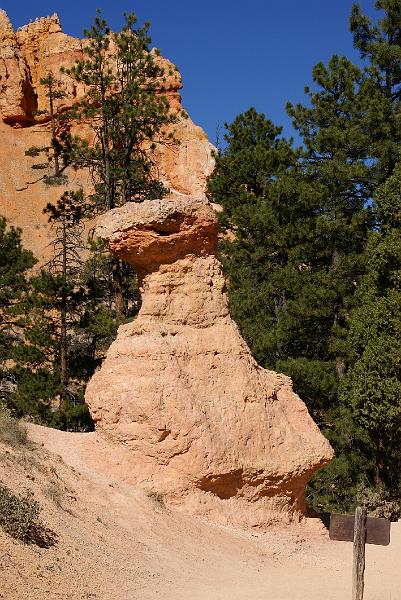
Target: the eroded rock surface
(17, 98)
(28, 55)
(46, 49)
(205, 425)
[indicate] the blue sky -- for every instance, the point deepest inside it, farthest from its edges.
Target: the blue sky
(232, 54)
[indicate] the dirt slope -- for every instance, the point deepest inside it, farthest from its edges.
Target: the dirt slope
(117, 543)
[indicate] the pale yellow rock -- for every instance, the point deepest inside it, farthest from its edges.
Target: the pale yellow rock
(205, 425)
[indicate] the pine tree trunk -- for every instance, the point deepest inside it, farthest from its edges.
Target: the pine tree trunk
(63, 353)
(341, 366)
(63, 334)
(119, 303)
(53, 129)
(379, 463)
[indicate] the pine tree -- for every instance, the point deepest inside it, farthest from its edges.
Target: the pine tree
(15, 263)
(278, 264)
(380, 47)
(126, 115)
(372, 388)
(48, 388)
(66, 265)
(336, 156)
(57, 153)
(351, 131)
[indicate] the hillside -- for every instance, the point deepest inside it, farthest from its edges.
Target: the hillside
(116, 542)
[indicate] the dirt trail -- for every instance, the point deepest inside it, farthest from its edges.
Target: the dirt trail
(117, 543)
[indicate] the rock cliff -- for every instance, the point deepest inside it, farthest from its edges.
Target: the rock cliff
(204, 424)
(17, 98)
(28, 55)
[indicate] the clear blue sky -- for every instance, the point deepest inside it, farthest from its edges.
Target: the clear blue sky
(232, 54)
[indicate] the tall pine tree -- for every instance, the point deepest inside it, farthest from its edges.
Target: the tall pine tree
(15, 263)
(372, 387)
(126, 115)
(299, 252)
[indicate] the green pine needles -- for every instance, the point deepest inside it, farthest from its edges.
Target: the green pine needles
(125, 111)
(312, 257)
(65, 316)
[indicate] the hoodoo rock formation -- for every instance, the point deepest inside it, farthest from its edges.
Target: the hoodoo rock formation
(202, 423)
(205, 425)
(17, 99)
(28, 55)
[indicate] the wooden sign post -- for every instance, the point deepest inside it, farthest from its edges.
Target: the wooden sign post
(358, 569)
(360, 530)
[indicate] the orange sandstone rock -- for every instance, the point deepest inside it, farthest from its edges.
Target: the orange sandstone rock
(17, 98)
(46, 49)
(29, 55)
(205, 425)
(165, 230)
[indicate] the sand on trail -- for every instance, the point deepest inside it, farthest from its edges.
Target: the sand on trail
(116, 542)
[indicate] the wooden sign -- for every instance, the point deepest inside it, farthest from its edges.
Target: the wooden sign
(361, 530)
(342, 529)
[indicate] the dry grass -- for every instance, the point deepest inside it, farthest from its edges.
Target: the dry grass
(55, 492)
(12, 432)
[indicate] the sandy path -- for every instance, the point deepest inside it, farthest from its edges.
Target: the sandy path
(150, 551)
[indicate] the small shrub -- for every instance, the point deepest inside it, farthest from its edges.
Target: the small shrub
(156, 497)
(12, 432)
(379, 502)
(17, 514)
(19, 518)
